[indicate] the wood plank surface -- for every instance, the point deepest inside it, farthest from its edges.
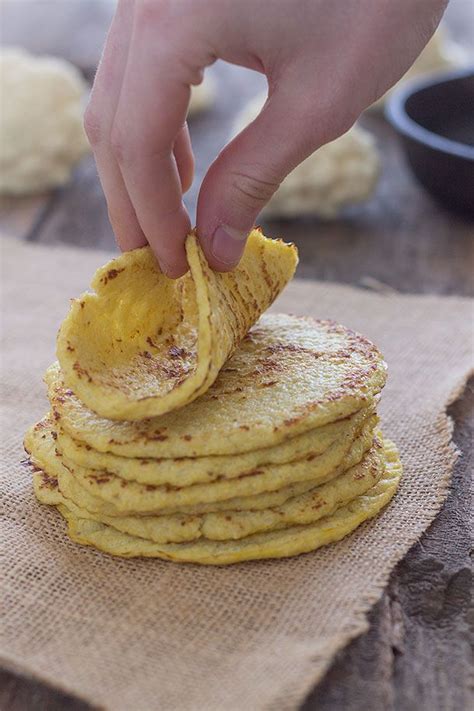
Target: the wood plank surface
(416, 652)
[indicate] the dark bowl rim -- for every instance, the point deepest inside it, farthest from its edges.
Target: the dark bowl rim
(397, 115)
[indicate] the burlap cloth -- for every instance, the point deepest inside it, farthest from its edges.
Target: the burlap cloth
(146, 634)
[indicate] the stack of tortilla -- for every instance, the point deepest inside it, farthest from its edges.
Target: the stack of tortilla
(183, 426)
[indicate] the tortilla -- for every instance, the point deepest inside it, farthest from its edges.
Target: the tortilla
(143, 345)
(103, 492)
(288, 376)
(274, 544)
(186, 471)
(319, 501)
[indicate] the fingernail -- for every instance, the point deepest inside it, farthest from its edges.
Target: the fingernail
(227, 244)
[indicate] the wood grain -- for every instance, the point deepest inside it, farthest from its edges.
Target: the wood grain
(416, 652)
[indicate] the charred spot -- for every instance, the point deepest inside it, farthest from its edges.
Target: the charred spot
(146, 354)
(170, 487)
(150, 342)
(246, 428)
(70, 348)
(150, 487)
(40, 425)
(81, 371)
(176, 352)
(81, 304)
(101, 478)
(49, 481)
(56, 415)
(158, 437)
(112, 273)
(278, 347)
(54, 435)
(187, 437)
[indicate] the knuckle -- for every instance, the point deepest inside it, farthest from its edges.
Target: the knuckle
(252, 191)
(92, 126)
(322, 121)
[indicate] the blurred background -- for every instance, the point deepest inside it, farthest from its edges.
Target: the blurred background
(356, 212)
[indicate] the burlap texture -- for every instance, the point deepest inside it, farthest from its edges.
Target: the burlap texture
(147, 634)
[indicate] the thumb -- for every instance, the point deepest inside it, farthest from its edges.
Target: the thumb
(248, 171)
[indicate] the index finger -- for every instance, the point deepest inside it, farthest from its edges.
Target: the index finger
(150, 115)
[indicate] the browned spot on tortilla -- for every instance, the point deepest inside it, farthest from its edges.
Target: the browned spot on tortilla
(158, 437)
(111, 274)
(176, 352)
(81, 371)
(41, 425)
(100, 478)
(48, 481)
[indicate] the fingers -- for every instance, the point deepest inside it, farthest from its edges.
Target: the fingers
(99, 119)
(246, 174)
(147, 129)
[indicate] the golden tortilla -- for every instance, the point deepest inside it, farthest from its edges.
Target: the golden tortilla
(142, 345)
(226, 525)
(186, 471)
(103, 492)
(288, 376)
(274, 544)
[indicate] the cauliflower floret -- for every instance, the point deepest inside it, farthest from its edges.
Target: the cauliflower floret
(202, 96)
(41, 129)
(340, 173)
(440, 54)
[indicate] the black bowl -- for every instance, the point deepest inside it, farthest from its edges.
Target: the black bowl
(435, 119)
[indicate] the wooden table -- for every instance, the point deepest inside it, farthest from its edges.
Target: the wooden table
(414, 655)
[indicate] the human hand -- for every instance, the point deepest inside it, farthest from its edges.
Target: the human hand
(325, 62)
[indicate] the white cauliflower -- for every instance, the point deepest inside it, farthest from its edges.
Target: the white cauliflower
(340, 173)
(202, 96)
(440, 54)
(41, 129)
